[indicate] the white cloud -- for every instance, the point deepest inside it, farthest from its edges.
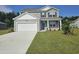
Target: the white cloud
(5, 9)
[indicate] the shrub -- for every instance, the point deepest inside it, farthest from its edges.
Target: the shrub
(66, 27)
(11, 30)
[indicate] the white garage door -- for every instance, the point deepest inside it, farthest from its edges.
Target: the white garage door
(27, 27)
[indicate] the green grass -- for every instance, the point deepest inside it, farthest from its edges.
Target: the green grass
(55, 42)
(5, 31)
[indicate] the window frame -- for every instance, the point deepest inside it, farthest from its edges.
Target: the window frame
(43, 14)
(49, 14)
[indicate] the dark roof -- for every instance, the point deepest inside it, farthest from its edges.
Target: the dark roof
(31, 10)
(38, 9)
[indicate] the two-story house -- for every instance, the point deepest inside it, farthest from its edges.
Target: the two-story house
(40, 19)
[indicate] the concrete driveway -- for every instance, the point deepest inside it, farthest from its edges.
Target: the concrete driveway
(16, 42)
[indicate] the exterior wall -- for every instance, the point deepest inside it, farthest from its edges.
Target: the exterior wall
(53, 29)
(14, 25)
(76, 24)
(38, 25)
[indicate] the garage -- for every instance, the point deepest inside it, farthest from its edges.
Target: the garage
(25, 22)
(27, 27)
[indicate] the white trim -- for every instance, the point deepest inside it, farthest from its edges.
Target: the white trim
(60, 25)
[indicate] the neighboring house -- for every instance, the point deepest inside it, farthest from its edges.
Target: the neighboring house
(75, 23)
(3, 25)
(41, 19)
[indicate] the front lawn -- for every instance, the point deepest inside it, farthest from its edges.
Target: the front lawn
(5, 31)
(55, 42)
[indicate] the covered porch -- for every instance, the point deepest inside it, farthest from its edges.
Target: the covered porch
(50, 25)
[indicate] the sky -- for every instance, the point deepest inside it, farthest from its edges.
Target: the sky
(64, 10)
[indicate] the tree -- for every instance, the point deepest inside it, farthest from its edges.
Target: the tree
(8, 18)
(7, 22)
(66, 27)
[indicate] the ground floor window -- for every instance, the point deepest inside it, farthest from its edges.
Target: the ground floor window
(53, 24)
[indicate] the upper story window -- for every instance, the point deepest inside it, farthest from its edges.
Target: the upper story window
(55, 15)
(49, 14)
(43, 14)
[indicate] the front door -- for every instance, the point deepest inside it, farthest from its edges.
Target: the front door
(43, 24)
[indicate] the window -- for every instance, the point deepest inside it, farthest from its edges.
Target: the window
(49, 14)
(43, 14)
(53, 24)
(55, 15)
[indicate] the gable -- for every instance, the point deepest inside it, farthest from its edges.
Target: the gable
(52, 11)
(47, 8)
(24, 16)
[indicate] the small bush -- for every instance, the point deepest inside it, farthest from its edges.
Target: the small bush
(66, 27)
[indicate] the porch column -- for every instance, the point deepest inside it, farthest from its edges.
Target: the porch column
(14, 25)
(60, 25)
(47, 24)
(38, 25)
